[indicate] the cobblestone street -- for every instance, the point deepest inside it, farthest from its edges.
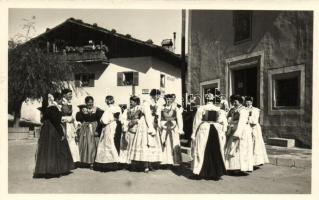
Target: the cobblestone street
(269, 179)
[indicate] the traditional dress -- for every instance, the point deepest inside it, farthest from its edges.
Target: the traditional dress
(171, 126)
(222, 119)
(259, 149)
(69, 129)
(146, 146)
(239, 147)
(107, 155)
(130, 122)
(53, 155)
(207, 142)
(88, 133)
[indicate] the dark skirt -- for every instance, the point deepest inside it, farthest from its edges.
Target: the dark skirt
(87, 142)
(213, 165)
(117, 136)
(53, 156)
(106, 167)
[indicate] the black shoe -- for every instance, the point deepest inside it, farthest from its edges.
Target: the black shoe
(195, 177)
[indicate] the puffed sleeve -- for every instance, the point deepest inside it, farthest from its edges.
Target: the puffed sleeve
(222, 119)
(197, 120)
(254, 117)
(124, 121)
(243, 118)
(107, 117)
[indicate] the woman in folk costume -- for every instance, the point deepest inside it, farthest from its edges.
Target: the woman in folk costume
(69, 124)
(146, 146)
(207, 149)
(222, 119)
(53, 157)
(88, 117)
(259, 149)
(238, 150)
(171, 127)
(130, 121)
(108, 149)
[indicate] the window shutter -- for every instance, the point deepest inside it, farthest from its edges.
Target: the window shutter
(77, 80)
(135, 78)
(119, 78)
(91, 80)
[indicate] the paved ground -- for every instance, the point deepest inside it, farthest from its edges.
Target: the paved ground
(269, 179)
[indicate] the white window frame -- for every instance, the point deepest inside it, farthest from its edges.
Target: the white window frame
(271, 91)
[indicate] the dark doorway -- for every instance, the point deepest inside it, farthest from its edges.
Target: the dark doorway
(245, 83)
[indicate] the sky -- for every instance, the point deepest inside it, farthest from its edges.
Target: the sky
(140, 24)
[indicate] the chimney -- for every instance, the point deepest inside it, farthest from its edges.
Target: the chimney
(168, 44)
(174, 44)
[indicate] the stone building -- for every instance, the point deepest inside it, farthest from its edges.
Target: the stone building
(264, 54)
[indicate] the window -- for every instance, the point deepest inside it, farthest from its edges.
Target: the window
(84, 80)
(127, 78)
(242, 21)
(208, 86)
(287, 90)
(162, 80)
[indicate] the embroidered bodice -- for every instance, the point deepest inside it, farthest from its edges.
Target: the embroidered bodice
(210, 115)
(134, 114)
(168, 114)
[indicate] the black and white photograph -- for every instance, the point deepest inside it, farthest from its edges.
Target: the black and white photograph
(181, 100)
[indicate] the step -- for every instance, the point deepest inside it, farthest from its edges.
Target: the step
(31, 134)
(282, 142)
(18, 133)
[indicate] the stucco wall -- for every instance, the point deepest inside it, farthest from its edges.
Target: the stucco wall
(284, 38)
(149, 69)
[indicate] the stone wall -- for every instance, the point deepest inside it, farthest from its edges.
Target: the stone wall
(284, 38)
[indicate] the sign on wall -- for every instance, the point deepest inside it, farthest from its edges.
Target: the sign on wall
(145, 91)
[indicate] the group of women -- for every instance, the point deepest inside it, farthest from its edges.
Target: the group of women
(146, 136)
(142, 137)
(227, 141)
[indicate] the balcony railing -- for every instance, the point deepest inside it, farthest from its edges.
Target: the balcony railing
(87, 53)
(86, 56)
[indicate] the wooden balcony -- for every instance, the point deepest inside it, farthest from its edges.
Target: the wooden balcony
(86, 56)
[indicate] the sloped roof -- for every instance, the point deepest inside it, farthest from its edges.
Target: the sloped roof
(120, 45)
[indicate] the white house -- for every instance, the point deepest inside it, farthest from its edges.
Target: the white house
(111, 63)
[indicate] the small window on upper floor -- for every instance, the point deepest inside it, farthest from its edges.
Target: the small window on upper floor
(242, 23)
(127, 78)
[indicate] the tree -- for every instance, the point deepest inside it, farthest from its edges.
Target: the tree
(33, 73)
